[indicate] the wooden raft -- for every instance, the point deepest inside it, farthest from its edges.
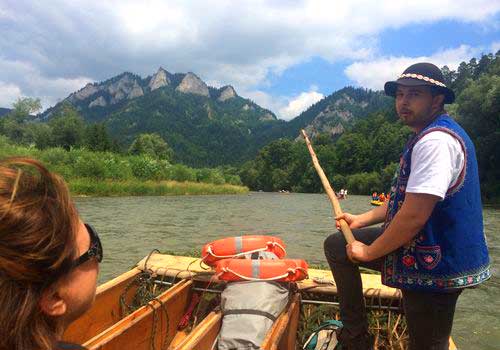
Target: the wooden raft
(104, 327)
(319, 281)
(154, 325)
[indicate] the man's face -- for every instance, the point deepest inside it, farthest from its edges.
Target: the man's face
(415, 105)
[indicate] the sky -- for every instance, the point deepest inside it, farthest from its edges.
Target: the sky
(284, 55)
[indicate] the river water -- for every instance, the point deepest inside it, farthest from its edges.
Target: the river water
(130, 227)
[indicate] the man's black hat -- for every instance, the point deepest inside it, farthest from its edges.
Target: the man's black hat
(421, 74)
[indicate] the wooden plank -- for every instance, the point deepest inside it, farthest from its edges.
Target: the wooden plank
(178, 338)
(283, 333)
(203, 336)
(105, 311)
(319, 281)
(174, 265)
(289, 339)
(157, 320)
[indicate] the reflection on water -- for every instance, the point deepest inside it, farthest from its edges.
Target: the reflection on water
(131, 227)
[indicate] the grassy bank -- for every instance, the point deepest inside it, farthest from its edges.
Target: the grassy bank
(91, 187)
(93, 173)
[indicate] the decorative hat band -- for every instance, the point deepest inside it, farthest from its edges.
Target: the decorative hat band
(422, 77)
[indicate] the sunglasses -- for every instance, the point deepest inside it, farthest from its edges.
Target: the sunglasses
(95, 250)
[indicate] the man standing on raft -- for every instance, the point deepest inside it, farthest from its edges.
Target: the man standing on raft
(432, 243)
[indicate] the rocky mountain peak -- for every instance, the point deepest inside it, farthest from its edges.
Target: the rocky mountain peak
(100, 101)
(126, 86)
(87, 91)
(315, 129)
(267, 116)
(191, 84)
(159, 80)
(136, 91)
(227, 92)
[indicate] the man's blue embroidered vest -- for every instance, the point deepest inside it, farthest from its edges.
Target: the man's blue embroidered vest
(450, 251)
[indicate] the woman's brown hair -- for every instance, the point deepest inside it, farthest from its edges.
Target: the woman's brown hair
(38, 225)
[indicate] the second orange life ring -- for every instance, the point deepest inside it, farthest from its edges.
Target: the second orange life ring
(233, 247)
(286, 270)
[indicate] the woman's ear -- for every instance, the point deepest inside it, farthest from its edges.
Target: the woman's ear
(52, 304)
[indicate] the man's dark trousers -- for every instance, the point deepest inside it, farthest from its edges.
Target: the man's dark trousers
(429, 315)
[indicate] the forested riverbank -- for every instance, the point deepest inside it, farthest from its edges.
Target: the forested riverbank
(94, 173)
(362, 158)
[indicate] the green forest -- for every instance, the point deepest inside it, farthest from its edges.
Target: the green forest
(362, 159)
(95, 164)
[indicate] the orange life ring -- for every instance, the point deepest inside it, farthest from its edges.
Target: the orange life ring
(232, 247)
(286, 270)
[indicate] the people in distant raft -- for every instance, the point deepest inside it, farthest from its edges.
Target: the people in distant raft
(341, 194)
(381, 198)
(432, 243)
(374, 196)
(48, 258)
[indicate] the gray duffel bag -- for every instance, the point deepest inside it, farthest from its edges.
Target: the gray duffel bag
(249, 310)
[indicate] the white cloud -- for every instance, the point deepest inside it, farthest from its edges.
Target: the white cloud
(299, 103)
(265, 100)
(374, 73)
(231, 42)
(495, 47)
(34, 84)
(9, 93)
(285, 107)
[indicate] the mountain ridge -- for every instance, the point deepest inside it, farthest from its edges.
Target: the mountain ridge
(207, 126)
(97, 99)
(4, 111)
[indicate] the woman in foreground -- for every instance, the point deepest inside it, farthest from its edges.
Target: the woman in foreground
(48, 258)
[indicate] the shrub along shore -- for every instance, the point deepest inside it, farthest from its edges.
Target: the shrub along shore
(91, 173)
(109, 188)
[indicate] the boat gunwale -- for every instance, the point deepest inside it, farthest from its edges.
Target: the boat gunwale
(126, 323)
(91, 322)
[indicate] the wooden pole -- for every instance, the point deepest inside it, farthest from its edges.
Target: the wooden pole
(344, 227)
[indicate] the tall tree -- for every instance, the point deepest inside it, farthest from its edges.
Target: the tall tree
(67, 127)
(479, 110)
(39, 134)
(14, 123)
(24, 108)
(449, 75)
(152, 145)
(97, 138)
